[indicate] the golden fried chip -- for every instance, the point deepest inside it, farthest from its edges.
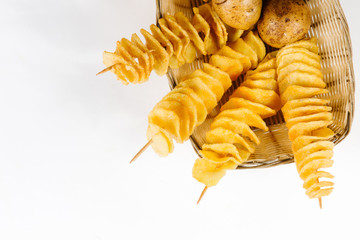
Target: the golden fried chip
(222, 153)
(130, 61)
(297, 92)
(217, 26)
(297, 50)
(160, 37)
(302, 141)
(301, 79)
(312, 148)
(128, 71)
(175, 40)
(136, 40)
(180, 110)
(323, 132)
(161, 142)
(187, 104)
(189, 50)
(192, 32)
(255, 42)
(201, 110)
(309, 168)
(298, 56)
(303, 102)
(245, 115)
(319, 193)
(264, 66)
(268, 98)
(122, 76)
(136, 53)
(202, 90)
(258, 108)
(270, 56)
(269, 74)
(323, 116)
(269, 84)
(236, 126)
(214, 84)
(210, 173)
(304, 111)
(313, 178)
(229, 52)
(223, 135)
(305, 129)
(231, 66)
(233, 33)
(202, 26)
(298, 67)
(309, 44)
(110, 59)
(116, 61)
(218, 74)
(167, 120)
(243, 152)
(318, 188)
(321, 154)
(242, 47)
(161, 57)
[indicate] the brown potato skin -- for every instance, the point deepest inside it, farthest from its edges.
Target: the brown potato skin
(240, 14)
(283, 22)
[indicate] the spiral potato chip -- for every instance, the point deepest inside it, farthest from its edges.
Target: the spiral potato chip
(232, 66)
(301, 79)
(298, 92)
(258, 108)
(161, 56)
(266, 97)
(217, 26)
(191, 31)
(230, 138)
(253, 40)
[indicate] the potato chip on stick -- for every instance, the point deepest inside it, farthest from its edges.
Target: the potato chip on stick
(174, 43)
(307, 116)
(231, 140)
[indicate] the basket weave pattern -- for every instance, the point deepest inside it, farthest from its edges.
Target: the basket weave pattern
(329, 26)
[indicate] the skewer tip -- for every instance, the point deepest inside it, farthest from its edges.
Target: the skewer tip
(104, 70)
(320, 203)
(202, 194)
(141, 151)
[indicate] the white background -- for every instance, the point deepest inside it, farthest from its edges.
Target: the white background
(66, 137)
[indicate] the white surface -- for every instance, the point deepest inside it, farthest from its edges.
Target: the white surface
(66, 137)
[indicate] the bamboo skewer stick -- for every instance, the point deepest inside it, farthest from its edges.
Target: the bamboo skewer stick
(202, 194)
(141, 150)
(104, 70)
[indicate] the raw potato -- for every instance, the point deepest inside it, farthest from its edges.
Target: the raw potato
(240, 14)
(283, 22)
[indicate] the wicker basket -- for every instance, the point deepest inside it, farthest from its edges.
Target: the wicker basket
(330, 27)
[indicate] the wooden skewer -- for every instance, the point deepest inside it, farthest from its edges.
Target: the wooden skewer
(141, 150)
(105, 70)
(202, 194)
(320, 202)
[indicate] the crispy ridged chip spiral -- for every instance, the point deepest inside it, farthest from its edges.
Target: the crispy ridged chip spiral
(172, 43)
(187, 105)
(307, 116)
(231, 140)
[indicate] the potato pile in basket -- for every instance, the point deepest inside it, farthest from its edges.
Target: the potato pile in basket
(235, 35)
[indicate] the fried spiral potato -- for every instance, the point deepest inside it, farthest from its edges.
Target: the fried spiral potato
(307, 117)
(174, 43)
(187, 105)
(231, 140)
